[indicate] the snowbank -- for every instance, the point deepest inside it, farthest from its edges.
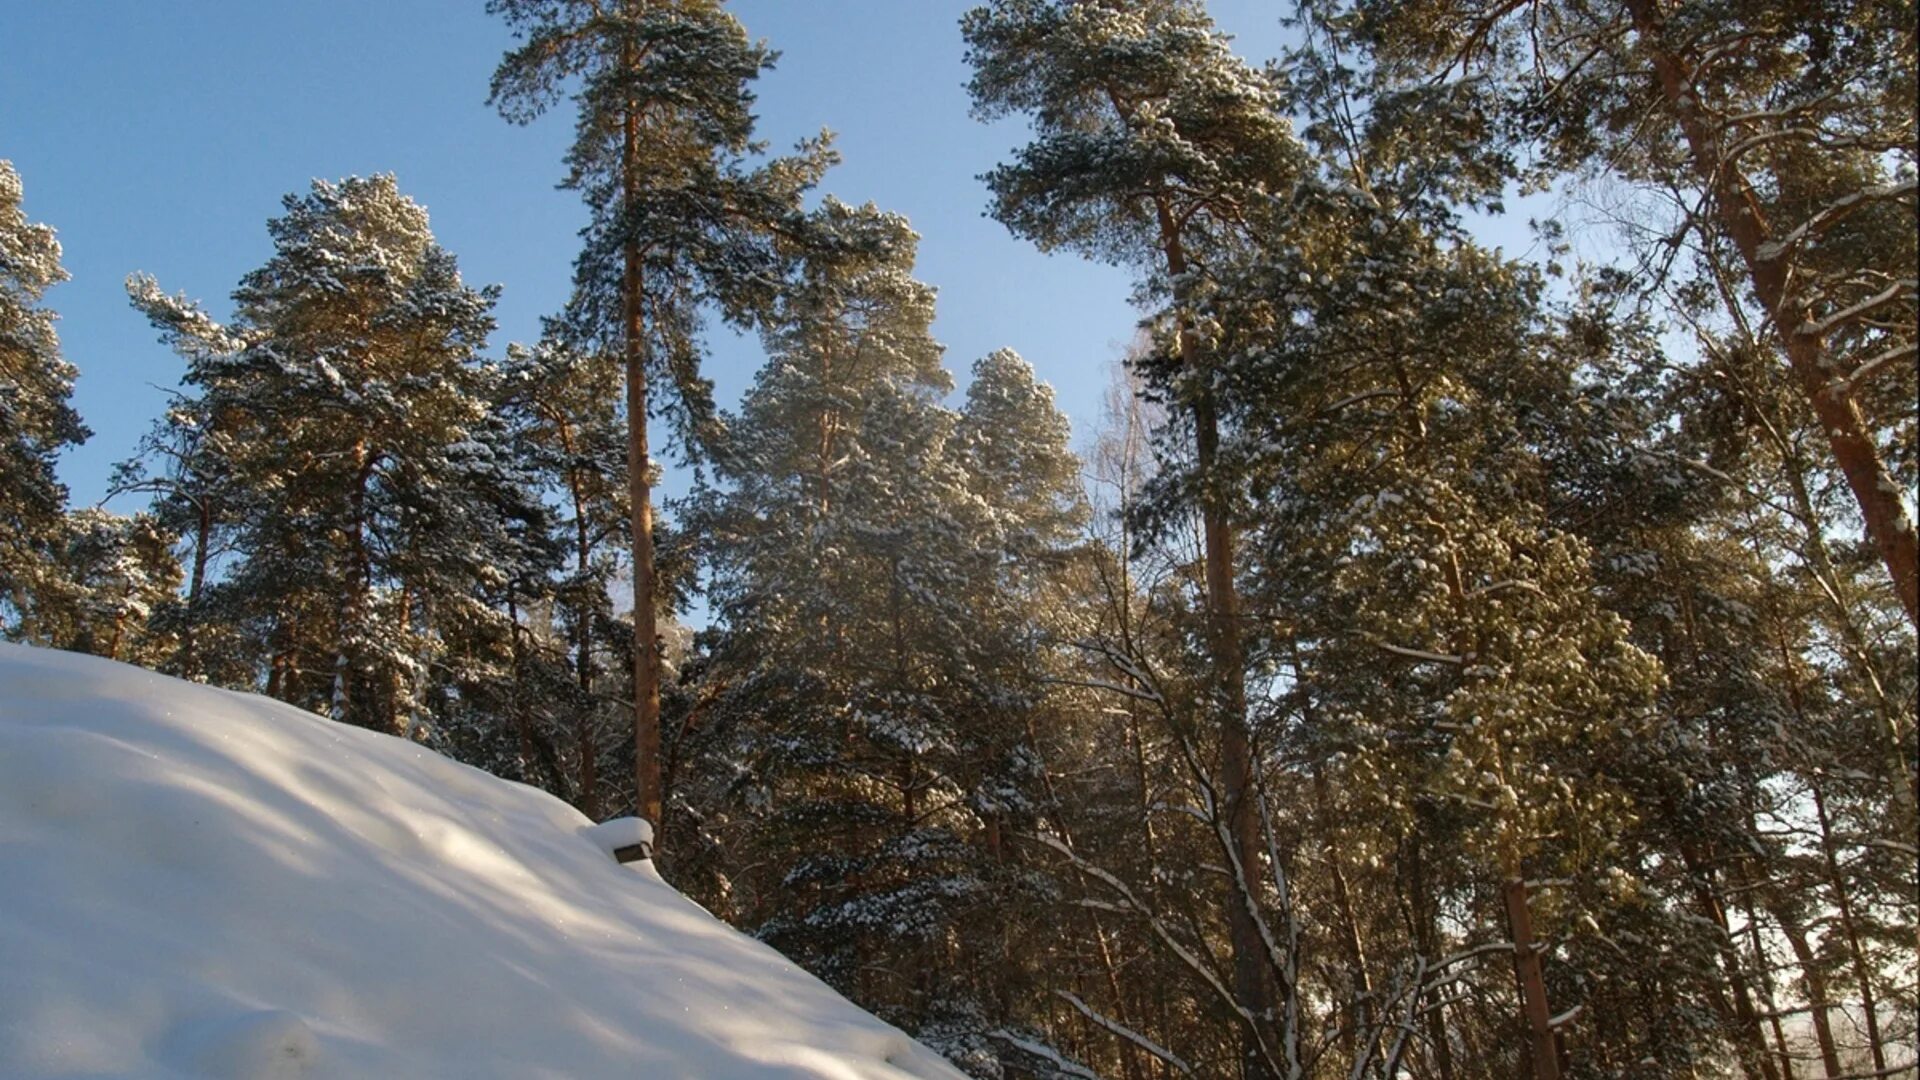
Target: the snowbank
(198, 883)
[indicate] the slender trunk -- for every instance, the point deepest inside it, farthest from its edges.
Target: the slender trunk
(1893, 739)
(353, 594)
(1849, 926)
(396, 686)
(1902, 825)
(587, 779)
(1129, 1053)
(908, 766)
(582, 559)
(1361, 1006)
(1748, 1036)
(1763, 979)
(119, 624)
(1813, 981)
(828, 423)
(1136, 741)
(1747, 883)
(522, 723)
(282, 659)
(1423, 917)
(1737, 207)
(1360, 1019)
(1130, 1057)
(649, 798)
(1545, 1055)
(196, 586)
(1252, 984)
(1890, 729)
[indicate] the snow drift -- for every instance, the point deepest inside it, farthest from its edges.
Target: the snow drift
(199, 883)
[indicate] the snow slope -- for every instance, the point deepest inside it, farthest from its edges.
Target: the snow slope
(199, 883)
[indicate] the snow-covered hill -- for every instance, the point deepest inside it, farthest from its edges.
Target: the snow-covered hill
(198, 883)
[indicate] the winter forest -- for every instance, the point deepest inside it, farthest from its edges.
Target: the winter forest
(1437, 664)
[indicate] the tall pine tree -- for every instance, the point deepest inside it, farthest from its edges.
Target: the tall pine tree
(679, 216)
(1153, 141)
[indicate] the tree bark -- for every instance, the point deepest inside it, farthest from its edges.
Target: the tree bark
(649, 797)
(587, 777)
(352, 609)
(1544, 1054)
(1360, 997)
(1763, 982)
(1422, 926)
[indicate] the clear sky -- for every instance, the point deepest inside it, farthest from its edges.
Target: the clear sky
(160, 137)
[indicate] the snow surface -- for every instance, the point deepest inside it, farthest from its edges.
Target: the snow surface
(200, 883)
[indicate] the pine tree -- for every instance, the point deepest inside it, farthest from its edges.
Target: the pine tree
(873, 672)
(36, 421)
(1014, 441)
(660, 157)
(1437, 619)
(184, 464)
(376, 504)
(1152, 142)
(113, 579)
(825, 487)
(1777, 145)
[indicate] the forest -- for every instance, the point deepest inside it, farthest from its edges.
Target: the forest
(1438, 664)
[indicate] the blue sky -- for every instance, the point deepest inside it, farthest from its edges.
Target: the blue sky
(161, 137)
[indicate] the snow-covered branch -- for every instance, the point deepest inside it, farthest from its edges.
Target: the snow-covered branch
(1874, 363)
(1047, 1054)
(1820, 327)
(1421, 654)
(1124, 1032)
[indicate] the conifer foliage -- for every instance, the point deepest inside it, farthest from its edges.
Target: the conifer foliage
(877, 560)
(339, 437)
(36, 421)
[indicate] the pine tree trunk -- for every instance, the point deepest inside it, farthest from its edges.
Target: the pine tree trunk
(1849, 927)
(1892, 736)
(1252, 984)
(282, 659)
(119, 624)
(1744, 1021)
(1130, 1058)
(1427, 930)
(353, 599)
(1545, 1055)
(587, 780)
(396, 684)
(1890, 729)
(1763, 982)
(1814, 980)
(648, 795)
(196, 585)
(1874, 487)
(1360, 1020)
(828, 422)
